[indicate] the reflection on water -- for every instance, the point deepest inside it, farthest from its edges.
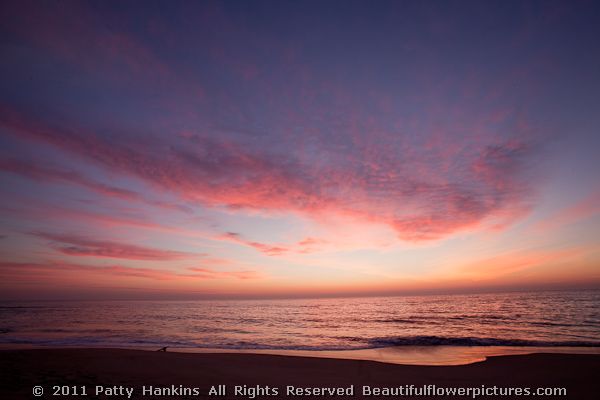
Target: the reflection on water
(561, 318)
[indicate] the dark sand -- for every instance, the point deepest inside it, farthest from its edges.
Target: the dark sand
(23, 369)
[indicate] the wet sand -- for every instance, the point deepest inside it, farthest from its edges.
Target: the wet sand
(412, 355)
(21, 370)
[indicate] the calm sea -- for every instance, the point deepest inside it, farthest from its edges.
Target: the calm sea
(565, 318)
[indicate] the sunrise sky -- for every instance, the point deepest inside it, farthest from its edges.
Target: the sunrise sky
(297, 148)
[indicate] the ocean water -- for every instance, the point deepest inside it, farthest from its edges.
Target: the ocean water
(551, 318)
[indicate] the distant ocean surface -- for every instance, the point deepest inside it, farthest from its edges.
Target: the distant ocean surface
(552, 318)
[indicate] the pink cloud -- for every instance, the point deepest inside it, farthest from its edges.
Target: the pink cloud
(517, 261)
(212, 274)
(50, 269)
(306, 245)
(424, 205)
(310, 244)
(587, 207)
(43, 211)
(271, 250)
(33, 270)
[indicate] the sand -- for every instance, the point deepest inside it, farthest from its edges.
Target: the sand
(116, 369)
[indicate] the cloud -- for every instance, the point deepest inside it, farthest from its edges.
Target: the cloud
(212, 274)
(493, 184)
(310, 244)
(271, 250)
(428, 155)
(40, 173)
(32, 271)
(587, 207)
(80, 246)
(522, 260)
(44, 174)
(422, 204)
(41, 210)
(304, 246)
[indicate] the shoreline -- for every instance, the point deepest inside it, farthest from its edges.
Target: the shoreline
(439, 355)
(412, 355)
(21, 370)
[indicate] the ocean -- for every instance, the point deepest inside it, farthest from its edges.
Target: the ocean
(549, 318)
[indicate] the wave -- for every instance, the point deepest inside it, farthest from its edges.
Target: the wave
(434, 319)
(98, 342)
(544, 323)
(355, 343)
(482, 318)
(20, 307)
(400, 321)
(472, 341)
(76, 331)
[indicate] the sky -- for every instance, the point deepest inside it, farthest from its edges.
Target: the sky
(248, 149)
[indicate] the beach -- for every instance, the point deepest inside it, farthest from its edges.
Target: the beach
(143, 372)
(418, 344)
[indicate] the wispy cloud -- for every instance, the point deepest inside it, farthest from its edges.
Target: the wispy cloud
(586, 207)
(80, 246)
(41, 173)
(33, 271)
(271, 250)
(519, 261)
(55, 269)
(212, 274)
(306, 245)
(49, 174)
